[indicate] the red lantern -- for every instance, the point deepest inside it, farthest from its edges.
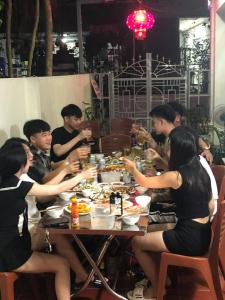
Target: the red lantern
(139, 21)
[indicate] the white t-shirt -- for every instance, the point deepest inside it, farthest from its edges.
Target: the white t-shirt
(215, 195)
(34, 215)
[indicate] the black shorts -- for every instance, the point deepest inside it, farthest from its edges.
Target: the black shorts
(188, 238)
(16, 253)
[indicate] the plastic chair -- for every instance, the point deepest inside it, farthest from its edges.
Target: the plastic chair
(207, 265)
(114, 142)
(121, 126)
(94, 126)
(219, 173)
(7, 280)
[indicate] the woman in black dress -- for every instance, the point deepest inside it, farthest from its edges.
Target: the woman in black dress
(191, 191)
(15, 242)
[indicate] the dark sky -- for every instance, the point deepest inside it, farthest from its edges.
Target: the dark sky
(107, 22)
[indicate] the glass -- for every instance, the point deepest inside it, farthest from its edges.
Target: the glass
(126, 150)
(87, 165)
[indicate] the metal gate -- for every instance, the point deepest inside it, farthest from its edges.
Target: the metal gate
(145, 84)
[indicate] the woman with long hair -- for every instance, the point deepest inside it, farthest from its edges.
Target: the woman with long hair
(15, 242)
(191, 192)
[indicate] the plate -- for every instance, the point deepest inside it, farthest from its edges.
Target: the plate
(84, 200)
(127, 204)
(67, 209)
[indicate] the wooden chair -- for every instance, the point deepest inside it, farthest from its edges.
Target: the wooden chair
(94, 126)
(121, 126)
(114, 142)
(207, 265)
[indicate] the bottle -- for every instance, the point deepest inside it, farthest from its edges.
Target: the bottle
(74, 213)
(119, 204)
(112, 203)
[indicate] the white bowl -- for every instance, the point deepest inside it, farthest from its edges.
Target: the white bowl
(131, 219)
(87, 193)
(66, 195)
(143, 201)
(99, 156)
(141, 190)
(54, 211)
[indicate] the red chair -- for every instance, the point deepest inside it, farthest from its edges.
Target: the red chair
(207, 265)
(219, 173)
(114, 142)
(121, 126)
(94, 126)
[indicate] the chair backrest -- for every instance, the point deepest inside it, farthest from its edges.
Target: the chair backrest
(219, 173)
(219, 229)
(94, 126)
(114, 142)
(121, 126)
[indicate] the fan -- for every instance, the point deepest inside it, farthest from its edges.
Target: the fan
(219, 116)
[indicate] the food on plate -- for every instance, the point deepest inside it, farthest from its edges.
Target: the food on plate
(134, 209)
(82, 207)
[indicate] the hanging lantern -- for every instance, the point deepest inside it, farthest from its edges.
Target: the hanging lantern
(139, 21)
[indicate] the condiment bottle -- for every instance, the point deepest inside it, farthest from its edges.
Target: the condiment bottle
(119, 203)
(74, 213)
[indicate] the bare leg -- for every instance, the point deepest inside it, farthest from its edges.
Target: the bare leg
(65, 249)
(42, 262)
(147, 249)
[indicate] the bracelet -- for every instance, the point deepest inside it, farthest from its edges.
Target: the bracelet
(66, 163)
(206, 148)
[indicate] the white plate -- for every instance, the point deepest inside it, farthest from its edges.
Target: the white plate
(66, 209)
(127, 204)
(85, 200)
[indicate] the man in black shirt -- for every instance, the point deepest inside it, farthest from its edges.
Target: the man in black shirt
(39, 135)
(68, 137)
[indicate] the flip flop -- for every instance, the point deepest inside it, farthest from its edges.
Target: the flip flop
(137, 294)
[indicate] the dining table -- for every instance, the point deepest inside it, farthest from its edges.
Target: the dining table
(85, 228)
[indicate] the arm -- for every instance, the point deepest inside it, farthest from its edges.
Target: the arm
(153, 155)
(54, 189)
(205, 150)
(167, 180)
(60, 150)
(59, 173)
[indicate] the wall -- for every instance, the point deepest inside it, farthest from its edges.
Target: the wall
(22, 99)
(217, 53)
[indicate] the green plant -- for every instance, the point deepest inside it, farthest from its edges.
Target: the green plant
(88, 112)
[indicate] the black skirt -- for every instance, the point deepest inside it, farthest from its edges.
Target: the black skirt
(188, 238)
(16, 253)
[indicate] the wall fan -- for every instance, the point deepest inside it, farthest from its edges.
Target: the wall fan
(219, 116)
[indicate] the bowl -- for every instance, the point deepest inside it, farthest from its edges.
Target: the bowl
(99, 156)
(141, 190)
(66, 195)
(88, 193)
(143, 201)
(131, 219)
(54, 211)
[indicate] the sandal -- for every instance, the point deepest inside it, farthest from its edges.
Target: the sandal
(137, 294)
